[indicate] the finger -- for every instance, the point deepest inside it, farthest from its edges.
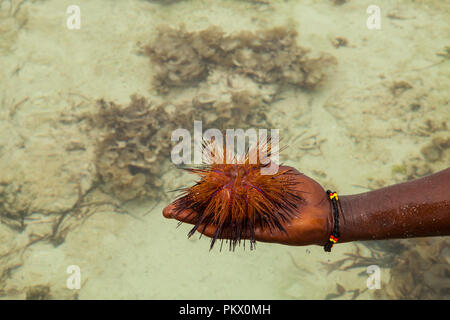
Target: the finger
(260, 235)
(187, 215)
(208, 230)
(168, 211)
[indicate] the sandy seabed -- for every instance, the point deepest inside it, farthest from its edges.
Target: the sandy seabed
(373, 122)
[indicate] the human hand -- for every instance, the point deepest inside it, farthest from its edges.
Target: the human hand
(311, 225)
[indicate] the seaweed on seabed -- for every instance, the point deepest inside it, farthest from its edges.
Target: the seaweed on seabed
(381, 255)
(38, 292)
(131, 153)
(175, 60)
(422, 271)
(183, 58)
(165, 2)
(133, 150)
(419, 268)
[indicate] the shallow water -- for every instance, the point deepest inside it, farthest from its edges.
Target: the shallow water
(67, 200)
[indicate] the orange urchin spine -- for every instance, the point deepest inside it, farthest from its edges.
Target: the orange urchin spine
(236, 198)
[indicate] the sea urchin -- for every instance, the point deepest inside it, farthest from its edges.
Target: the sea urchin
(236, 196)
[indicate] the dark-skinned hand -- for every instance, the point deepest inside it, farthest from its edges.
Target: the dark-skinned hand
(311, 225)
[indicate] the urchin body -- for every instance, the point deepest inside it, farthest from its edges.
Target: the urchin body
(237, 198)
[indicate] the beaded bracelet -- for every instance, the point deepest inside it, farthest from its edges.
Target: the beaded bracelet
(334, 236)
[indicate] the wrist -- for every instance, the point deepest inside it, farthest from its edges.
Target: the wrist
(348, 223)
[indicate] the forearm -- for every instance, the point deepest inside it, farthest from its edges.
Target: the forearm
(418, 208)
